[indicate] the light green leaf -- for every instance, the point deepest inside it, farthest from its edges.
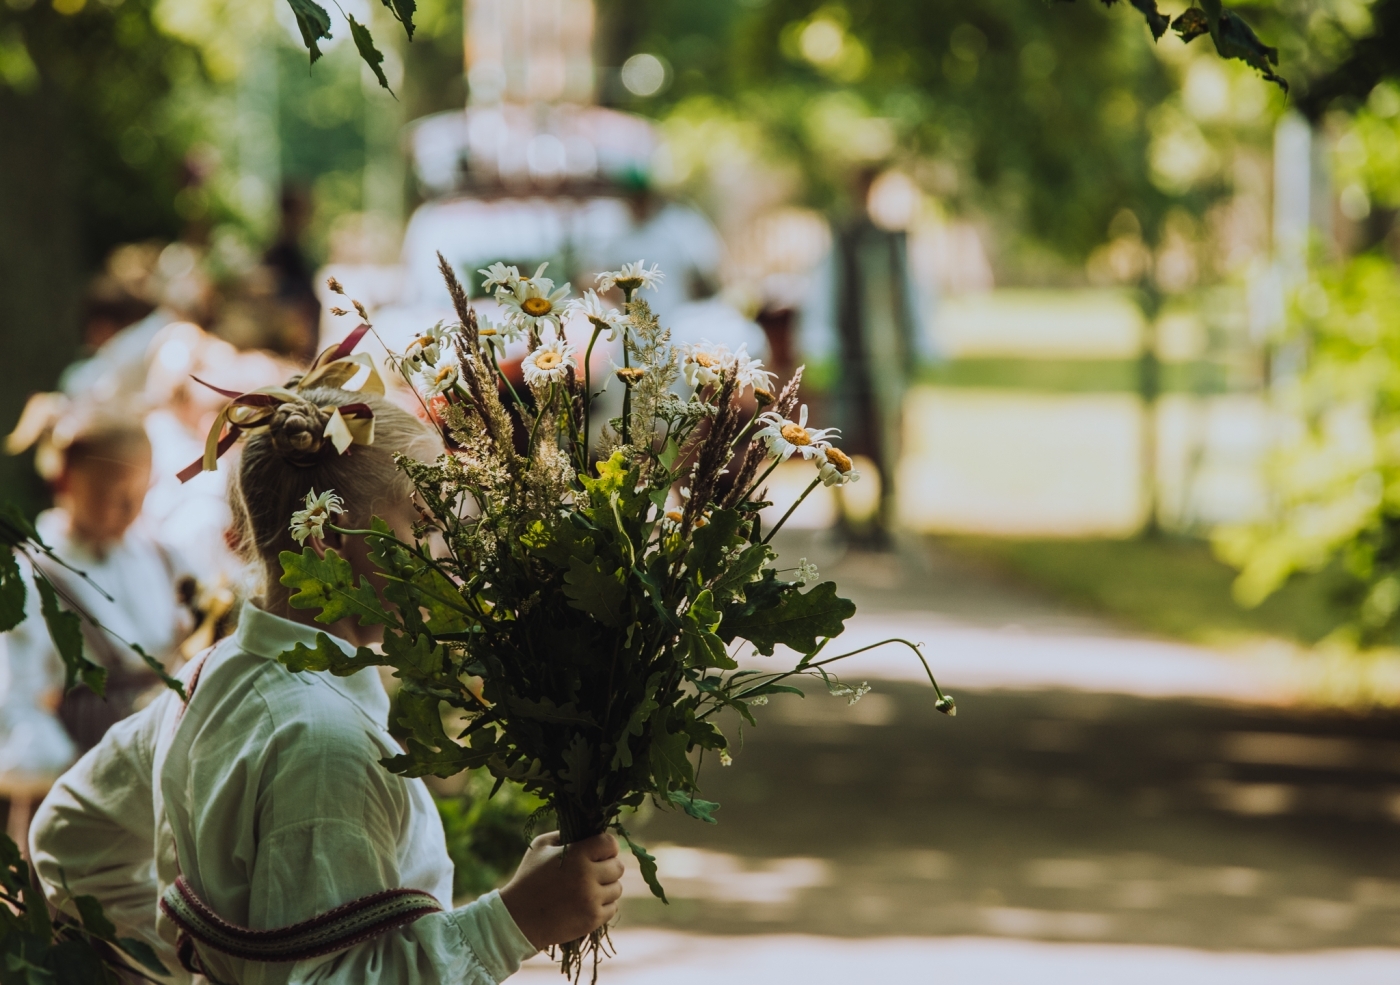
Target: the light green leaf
(701, 810)
(327, 583)
(325, 655)
(66, 630)
(591, 589)
(799, 620)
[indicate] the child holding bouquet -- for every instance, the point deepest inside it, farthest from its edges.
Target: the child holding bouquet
(251, 832)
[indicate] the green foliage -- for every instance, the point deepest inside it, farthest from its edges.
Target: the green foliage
(1337, 484)
(325, 655)
(1232, 36)
(35, 950)
(798, 620)
(314, 23)
(66, 629)
(371, 55)
(327, 583)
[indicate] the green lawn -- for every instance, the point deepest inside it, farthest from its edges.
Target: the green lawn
(1169, 585)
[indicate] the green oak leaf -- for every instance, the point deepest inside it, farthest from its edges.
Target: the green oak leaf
(66, 630)
(372, 56)
(646, 862)
(314, 23)
(699, 624)
(591, 589)
(328, 583)
(12, 592)
(669, 764)
(578, 765)
(325, 655)
(709, 543)
(636, 722)
(701, 810)
(799, 620)
(744, 569)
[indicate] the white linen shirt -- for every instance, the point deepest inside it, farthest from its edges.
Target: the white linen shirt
(268, 790)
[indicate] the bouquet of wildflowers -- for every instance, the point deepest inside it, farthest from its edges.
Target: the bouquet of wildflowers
(579, 604)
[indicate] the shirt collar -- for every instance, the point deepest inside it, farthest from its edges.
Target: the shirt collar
(266, 635)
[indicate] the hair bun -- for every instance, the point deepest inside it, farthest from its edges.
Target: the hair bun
(298, 431)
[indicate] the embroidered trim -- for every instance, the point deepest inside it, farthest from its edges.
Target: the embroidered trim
(335, 930)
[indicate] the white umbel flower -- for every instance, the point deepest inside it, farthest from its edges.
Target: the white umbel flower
(785, 437)
(806, 572)
(631, 277)
(603, 318)
(311, 522)
(498, 276)
(533, 303)
(439, 381)
(548, 363)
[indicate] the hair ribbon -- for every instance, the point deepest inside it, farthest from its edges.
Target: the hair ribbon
(248, 413)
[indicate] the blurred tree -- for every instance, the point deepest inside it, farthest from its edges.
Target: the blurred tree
(88, 160)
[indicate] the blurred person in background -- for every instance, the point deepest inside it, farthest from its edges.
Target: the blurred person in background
(97, 461)
(293, 292)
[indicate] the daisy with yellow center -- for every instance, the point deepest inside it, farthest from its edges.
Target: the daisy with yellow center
(440, 380)
(426, 350)
(311, 522)
(837, 469)
(549, 363)
(533, 303)
(631, 277)
(602, 318)
(784, 437)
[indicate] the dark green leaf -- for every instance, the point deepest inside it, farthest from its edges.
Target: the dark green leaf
(403, 12)
(327, 583)
(705, 649)
(15, 527)
(1156, 20)
(325, 655)
(371, 55)
(709, 544)
(577, 773)
(669, 763)
(646, 862)
(160, 671)
(763, 689)
(636, 722)
(95, 922)
(314, 23)
(591, 589)
(742, 571)
(143, 954)
(701, 810)
(12, 592)
(798, 621)
(66, 629)
(1191, 24)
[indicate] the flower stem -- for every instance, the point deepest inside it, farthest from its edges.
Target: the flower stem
(796, 503)
(760, 480)
(588, 395)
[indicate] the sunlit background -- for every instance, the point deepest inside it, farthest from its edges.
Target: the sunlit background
(1067, 291)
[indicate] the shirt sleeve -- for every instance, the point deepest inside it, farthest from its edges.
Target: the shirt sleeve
(333, 821)
(96, 828)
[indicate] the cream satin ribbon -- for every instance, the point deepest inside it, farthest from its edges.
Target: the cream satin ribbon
(248, 413)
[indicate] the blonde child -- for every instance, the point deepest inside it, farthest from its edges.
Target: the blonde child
(99, 468)
(261, 805)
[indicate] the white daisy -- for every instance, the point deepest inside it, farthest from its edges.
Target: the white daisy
(785, 437)
(631, 277)
(532, 303)
(702, 364)
(311, 522)
(497, 334)
(498, 275)
(440, 380)
(836, 468)
(750, 372)
(548, 363)
(604, 319)
(426, 350)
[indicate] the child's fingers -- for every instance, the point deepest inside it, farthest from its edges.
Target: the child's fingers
(611, 893)
(549, 839)
(600, 847)
(608, 871)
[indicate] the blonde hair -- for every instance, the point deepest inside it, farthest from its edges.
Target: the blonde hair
(66, 432)
(283, 463)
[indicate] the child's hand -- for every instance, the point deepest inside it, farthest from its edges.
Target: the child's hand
(561, 894)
